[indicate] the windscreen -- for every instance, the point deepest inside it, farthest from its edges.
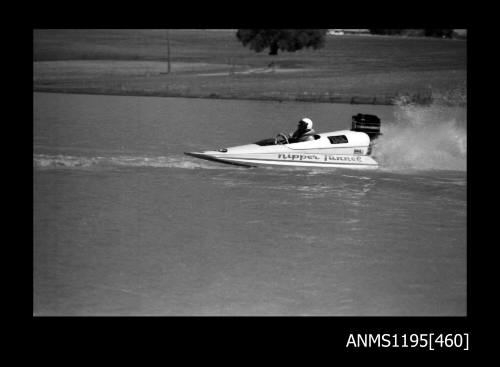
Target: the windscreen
(265, 142)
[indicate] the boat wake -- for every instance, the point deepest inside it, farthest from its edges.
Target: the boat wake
(423, 138)
(45, 161)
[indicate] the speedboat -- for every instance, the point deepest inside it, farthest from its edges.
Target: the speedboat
(342, 148)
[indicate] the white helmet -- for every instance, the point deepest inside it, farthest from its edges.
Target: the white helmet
(307, 122)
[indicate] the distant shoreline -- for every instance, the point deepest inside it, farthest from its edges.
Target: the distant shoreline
(374, 70)
(356, 99)
(368, 100)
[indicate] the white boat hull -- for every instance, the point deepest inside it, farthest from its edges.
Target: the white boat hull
(291, 159)
(344, 148)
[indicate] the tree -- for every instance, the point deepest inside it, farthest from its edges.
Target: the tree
(444, 33)
(289, 40)
(386, 31)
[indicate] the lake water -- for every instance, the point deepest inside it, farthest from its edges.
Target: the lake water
(125, 224)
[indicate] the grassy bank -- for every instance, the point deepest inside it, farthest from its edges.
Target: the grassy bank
(213, 64)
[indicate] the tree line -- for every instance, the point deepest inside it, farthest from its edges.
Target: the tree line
(441, 33)
(291, 40)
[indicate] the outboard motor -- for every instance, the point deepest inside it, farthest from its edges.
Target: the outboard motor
(369, 124)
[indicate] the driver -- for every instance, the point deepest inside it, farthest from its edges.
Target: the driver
(304, 131)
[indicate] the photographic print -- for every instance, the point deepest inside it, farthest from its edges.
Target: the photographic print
(249, 172)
